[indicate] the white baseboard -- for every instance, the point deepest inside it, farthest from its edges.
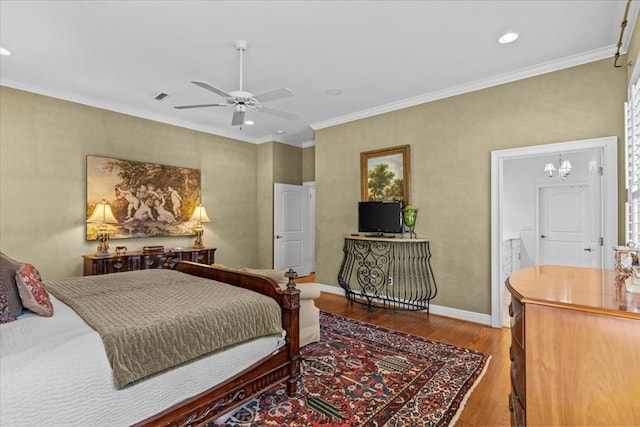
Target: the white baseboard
(455, 313)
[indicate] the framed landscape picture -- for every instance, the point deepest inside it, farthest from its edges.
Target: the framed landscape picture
(147, 199)
(384, 174)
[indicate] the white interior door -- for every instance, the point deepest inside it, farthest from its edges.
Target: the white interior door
(310, 231)
(290, 216)
(564, 225)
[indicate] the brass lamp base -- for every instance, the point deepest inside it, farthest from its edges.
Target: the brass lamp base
(103, 246)
(198, 244)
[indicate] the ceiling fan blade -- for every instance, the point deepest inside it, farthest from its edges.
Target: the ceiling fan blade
(207, 86)
(238, 118)
(183, 107)
(278, 113)
(274, 94)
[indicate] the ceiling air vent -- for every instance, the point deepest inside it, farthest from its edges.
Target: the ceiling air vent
(161, 96)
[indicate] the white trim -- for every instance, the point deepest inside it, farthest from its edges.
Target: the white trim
(454, 313)
(635, 72)
(561, 64)
(308, 144)
(608, 147)
(331, 289)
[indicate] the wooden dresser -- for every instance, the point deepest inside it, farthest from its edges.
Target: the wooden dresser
(575, 348)
(131, 261)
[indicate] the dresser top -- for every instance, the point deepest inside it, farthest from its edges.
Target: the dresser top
(577, 288)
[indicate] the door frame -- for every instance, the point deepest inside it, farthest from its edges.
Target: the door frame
(310, 229)
(608, 147)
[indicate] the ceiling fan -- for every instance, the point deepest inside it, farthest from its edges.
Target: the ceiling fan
(241, 100)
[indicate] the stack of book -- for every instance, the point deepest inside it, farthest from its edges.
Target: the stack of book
(153, 249)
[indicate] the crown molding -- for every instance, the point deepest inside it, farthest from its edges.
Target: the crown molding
(568, 62)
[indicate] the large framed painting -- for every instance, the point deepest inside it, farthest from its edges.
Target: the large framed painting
(385, 174)
(147, 199)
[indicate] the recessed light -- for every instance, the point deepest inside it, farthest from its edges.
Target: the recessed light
(333, 92)
(248, 122)
(508, 37)
(4, 51)
(280, 132)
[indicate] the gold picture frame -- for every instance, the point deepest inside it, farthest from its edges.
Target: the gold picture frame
(379, 172)
(146, 199)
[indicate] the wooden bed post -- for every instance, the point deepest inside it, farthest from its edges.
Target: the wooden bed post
(291, 322)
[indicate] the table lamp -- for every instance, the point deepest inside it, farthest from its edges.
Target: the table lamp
(200, 216)
(102, 215)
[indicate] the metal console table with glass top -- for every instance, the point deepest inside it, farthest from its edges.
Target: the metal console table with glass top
(387, 272)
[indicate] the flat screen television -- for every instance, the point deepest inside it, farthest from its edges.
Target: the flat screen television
(380, 217)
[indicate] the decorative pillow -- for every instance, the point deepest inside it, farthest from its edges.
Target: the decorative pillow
(8, 269)
(32, 292)
(5, 314)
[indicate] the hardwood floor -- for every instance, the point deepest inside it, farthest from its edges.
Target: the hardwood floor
(488, 403)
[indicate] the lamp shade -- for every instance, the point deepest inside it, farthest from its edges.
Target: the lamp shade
(200, 214)
(102, 214)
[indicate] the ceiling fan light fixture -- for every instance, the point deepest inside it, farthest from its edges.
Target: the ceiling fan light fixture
(241, 99)
(508, 37)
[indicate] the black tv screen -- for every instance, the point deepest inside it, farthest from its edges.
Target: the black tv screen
(380, 217)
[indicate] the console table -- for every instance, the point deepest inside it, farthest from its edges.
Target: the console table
(387, 272)
(113, 263)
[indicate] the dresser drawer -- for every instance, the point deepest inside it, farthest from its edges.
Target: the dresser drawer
(516, 311)
(518, 413)
(516, 354)
(116, 265)
(148, 261)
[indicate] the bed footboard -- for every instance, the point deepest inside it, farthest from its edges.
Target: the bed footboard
(284, 364)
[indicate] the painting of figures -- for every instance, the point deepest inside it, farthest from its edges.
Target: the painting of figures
(147, 199)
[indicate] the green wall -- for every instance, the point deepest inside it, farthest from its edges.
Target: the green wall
(309, 164)
(43, 147)
(451, 142)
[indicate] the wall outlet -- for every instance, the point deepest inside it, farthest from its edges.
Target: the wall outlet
(390, 281)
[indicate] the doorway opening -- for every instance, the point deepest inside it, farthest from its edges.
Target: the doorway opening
(508, 238)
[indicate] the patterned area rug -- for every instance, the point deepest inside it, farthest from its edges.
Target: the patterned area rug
(364, 375)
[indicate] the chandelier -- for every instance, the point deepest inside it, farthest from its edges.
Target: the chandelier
(564, 168)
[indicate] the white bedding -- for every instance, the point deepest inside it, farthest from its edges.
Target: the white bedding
(54, 372)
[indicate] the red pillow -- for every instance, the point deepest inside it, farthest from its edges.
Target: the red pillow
(32, 292)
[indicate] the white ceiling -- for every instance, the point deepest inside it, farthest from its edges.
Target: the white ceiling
(383, 55)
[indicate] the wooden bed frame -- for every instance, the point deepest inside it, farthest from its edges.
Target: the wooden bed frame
(284, 364)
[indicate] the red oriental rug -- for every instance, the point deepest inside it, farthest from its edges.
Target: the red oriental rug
(365, 375)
